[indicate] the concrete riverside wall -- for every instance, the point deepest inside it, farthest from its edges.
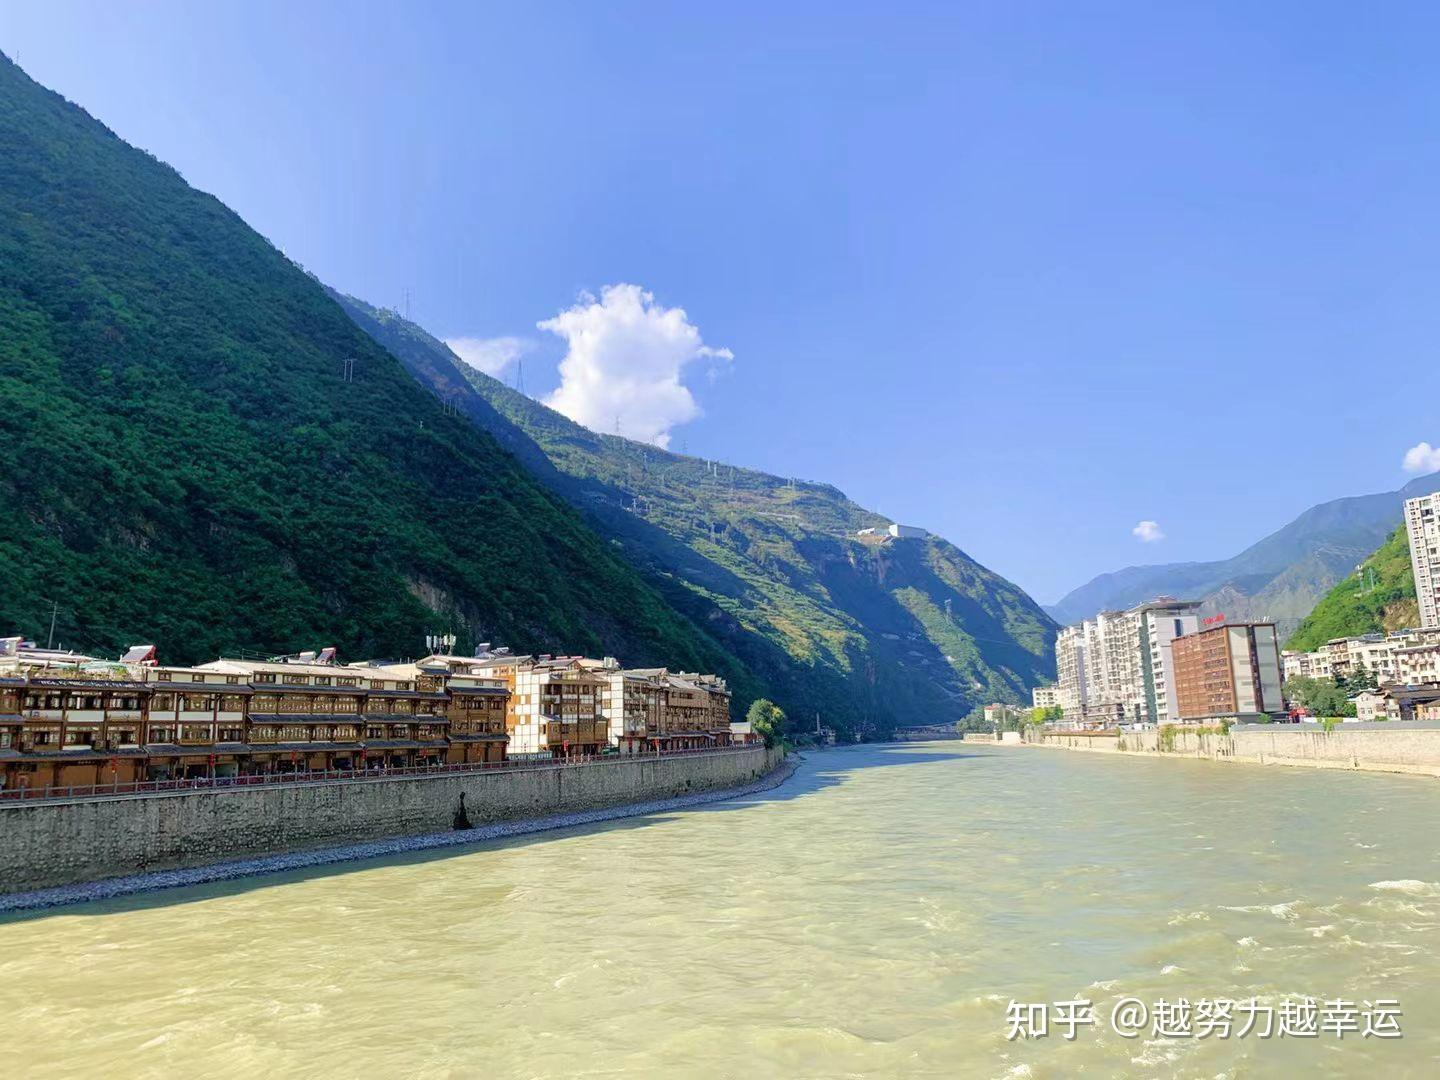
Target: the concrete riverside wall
(64, 843)
(1377, 748)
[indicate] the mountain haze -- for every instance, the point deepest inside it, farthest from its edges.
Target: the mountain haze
(183, 460)
(1281, 577)
(856, 631)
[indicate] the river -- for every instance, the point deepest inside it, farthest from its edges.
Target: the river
(874, 916)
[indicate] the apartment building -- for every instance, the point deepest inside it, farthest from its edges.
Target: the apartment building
(307, 713)
(1308, 665)
(1070, 682)
(632, 703)
(472, 703)
(1422, 524)
(1230, 671)
(1045, 697)
(554, 706)
(691, 716)
(1119, 666)
(1160, 623)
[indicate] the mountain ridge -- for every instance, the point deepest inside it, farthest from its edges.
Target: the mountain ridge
(773, 566)
(1281, 576)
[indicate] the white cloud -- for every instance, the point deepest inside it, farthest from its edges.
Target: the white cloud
(625, 358)
(1148, 532)
(1422, 458)
(493, 356)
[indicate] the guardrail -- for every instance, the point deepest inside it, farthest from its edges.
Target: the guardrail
(324, 776)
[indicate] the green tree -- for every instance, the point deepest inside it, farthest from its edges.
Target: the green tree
(1361, 678)
(767, 720)
(1323, 697)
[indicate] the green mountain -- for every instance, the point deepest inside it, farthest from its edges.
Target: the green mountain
(865, 632)
(184, 460)
(1281, 577)
(1379, 595)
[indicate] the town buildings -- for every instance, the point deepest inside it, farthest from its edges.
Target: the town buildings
(1404, 657)
(68, 719)
(1045, 697)
(1422, 524)
(1117, 667)
(1230, 671)
(999, 714)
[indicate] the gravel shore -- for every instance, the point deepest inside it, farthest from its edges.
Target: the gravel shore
(270, 864)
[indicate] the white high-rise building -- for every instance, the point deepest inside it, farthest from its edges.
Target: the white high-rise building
(1118, 667)
(1161, 622)
(1422, 522)
(1070, 691)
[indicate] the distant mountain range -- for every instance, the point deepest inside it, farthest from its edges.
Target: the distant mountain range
(868, 633)
(1281, 577)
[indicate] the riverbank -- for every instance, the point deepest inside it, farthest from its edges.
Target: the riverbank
(111, 888)
(52, 845)
(1392, 747)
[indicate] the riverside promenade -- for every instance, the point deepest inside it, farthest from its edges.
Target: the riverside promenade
(54, 842)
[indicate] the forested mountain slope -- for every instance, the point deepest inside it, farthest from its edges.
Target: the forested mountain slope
(1379, 595)
(183, 459)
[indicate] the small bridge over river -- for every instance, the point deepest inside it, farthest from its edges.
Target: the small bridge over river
(926, 733)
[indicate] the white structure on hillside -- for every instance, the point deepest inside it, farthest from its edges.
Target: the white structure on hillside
(1422, 523)
(908, 532)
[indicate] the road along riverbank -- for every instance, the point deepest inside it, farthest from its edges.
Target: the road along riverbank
(48, 846)
(1389, 747)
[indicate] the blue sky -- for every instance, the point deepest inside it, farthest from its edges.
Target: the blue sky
(1028, 275)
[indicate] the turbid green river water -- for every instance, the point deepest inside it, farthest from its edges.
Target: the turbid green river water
(874, 916)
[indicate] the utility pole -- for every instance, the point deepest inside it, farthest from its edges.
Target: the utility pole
(54, 611)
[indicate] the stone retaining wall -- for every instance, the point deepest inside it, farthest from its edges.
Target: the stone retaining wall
(63, 843)
(1375, 749)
